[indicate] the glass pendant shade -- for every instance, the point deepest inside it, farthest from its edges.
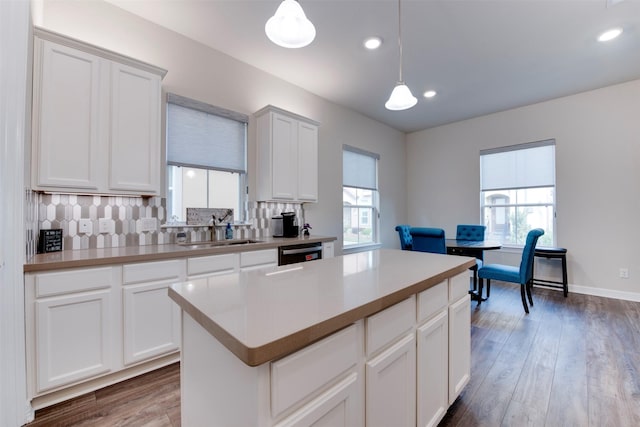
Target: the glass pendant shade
(289, 27)
(401, 98)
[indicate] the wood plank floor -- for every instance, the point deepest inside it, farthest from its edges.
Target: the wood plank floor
(571, 362)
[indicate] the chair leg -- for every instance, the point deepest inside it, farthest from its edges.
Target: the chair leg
(528, 285)
(524, 299)
(488, 287)
(475, 278)
(480, 286)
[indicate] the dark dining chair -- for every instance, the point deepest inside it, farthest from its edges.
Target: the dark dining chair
(472, 232)
(508, 273)
(428, 240)
(405, 236)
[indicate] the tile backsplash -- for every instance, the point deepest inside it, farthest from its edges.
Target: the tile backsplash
(125, 216)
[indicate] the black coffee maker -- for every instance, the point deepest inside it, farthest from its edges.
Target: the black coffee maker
(289, 224)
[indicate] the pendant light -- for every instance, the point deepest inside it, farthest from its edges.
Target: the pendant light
(289, 27)
(401, 97)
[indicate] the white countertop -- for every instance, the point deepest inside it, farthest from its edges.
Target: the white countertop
(264, 314)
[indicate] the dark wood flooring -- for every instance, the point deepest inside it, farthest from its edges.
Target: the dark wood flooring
(571, 362)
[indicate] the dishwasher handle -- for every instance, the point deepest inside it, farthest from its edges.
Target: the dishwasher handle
(301, 251)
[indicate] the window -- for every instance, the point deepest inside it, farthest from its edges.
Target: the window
(206, 158)
(359, 197)
(517, 192)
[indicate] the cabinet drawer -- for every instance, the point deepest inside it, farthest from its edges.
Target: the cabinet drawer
(432, 301)
(458, 286)
(64, 282)
(212, 264)
(149, 271)
(384, 327)
(266, 256)
(297, 377)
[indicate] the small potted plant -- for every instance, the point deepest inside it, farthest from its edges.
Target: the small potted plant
(305, 229)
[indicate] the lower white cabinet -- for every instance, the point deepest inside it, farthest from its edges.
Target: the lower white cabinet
(151, 319)
(327, 250)
(212, 265)
(391, 385)
(258, 259)
(72, 326)
(432, 374)
(459, 346)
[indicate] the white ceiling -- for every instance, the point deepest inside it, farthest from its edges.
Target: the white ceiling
(481, 56)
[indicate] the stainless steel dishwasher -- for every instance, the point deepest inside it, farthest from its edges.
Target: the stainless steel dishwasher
(292, 254)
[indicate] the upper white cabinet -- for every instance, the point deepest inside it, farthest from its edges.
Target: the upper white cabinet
(96, 119)
(287, 166)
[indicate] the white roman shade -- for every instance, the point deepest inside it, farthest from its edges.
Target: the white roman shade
(204, 136)
(528, 165)
(359, 168)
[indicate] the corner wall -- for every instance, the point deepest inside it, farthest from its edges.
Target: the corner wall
(597, 137)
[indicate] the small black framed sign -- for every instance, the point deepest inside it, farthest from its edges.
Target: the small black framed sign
(50, 241)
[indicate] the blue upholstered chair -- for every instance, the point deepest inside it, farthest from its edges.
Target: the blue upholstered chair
(508, 273)
(428, 240)
(405, 236)
(475, 233)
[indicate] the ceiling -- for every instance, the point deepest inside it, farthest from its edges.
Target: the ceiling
(481, 56)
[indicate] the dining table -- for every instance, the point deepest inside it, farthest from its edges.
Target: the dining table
(471, 248)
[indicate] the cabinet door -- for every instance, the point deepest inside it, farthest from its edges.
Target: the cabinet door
(337, 407)
(459, 346)
(151, 322)
(284, 156)
(67, 118)
(134, 164)
(73, 338)
(327, 250)
(433, 365)
(307, 162)
(391, 386)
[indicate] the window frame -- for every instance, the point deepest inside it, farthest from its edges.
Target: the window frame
(486, 207)
(374, 218)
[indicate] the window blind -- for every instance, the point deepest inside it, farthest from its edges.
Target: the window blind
(204, 136)
(359, 168)
(518, 166)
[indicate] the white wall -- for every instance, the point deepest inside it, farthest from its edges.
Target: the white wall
(207, 75)
(597, 137)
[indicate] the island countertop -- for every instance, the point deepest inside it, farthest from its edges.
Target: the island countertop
(265, 314)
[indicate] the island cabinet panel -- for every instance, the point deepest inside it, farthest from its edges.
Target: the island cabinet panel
(391, 385)
(71, 331)
(151, 319)
(432, 370)
(297, 377)
(459, 346)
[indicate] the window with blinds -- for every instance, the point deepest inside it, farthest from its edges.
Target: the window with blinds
(517, 192)
(359, 197)
(206, 157)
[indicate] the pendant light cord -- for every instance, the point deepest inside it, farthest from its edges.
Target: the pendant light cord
(400, 37)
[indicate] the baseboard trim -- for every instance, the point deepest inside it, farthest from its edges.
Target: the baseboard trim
(607, 293)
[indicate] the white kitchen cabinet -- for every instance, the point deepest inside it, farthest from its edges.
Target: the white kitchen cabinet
(327, 250)
(459, 346)
(432, 373)
(287, 164)
(151, 320)
(72, 326)
(258, 259)
(212, 265)
(391, 386)
(96, 119)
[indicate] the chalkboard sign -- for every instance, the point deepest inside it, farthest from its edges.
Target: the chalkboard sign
(50, 241)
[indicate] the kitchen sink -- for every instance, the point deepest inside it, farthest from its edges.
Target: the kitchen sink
(218, 243)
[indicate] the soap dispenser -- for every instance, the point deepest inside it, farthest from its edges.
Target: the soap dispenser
(228, 233)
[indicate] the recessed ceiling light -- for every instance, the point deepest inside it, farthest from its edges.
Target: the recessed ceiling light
(372, 43)
(429, 94)
(609, 35)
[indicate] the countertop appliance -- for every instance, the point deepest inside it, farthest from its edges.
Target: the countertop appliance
(299, 253)
(285, 225)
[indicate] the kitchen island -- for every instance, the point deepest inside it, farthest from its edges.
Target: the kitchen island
(375, 338)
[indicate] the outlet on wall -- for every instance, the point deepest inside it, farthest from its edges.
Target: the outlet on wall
(84, 226)
(104, 225)
(624, 273)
